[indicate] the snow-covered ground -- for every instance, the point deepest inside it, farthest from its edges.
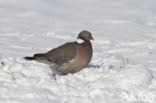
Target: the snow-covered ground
(123, 67)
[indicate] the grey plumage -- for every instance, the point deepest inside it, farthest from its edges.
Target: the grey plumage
(55, 55)
(70, 57)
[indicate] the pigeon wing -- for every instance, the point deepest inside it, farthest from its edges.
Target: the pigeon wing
(63, 54)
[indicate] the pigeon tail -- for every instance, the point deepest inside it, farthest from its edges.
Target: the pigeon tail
(36, 57)
(29, 58)
(40, 57)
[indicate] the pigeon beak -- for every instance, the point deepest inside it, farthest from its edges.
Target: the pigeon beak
(92, 38)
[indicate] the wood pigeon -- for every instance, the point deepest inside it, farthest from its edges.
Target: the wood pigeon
(70, 57)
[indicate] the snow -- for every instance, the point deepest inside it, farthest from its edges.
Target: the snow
(123, 67)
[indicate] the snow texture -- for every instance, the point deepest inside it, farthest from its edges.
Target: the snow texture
(123, 67)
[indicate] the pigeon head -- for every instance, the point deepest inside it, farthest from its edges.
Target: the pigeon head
(84, 36)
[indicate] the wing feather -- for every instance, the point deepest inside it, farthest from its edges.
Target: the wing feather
(63, 54)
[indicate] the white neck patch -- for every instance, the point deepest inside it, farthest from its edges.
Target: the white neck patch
(80, 41)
